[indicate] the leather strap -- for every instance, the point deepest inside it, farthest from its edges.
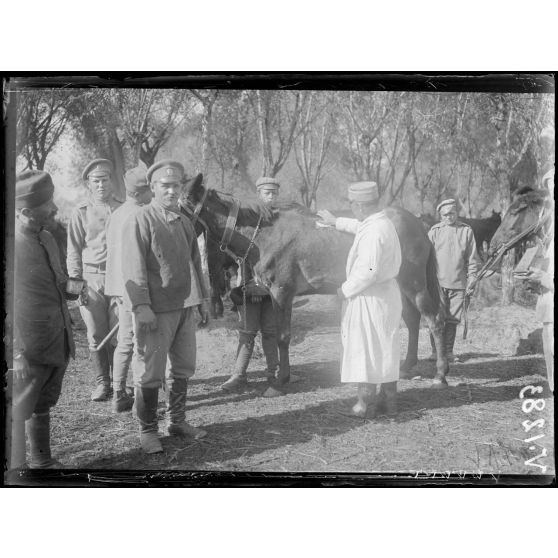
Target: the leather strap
(231, 224)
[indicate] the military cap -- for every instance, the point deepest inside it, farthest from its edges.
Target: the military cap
(267, 183)
(363, 192)
(166, 171)
(97, 168)
(449, 201)
(33, 188)
(135, 180)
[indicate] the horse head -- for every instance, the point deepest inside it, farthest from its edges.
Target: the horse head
(496, 217)
(524, 212)
(219, 204)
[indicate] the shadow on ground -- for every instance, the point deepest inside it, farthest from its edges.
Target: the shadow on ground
(499, 369)
(249, 437)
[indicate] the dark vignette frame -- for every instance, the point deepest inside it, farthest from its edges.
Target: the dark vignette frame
(516, 82)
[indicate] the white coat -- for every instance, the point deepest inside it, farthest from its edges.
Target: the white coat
(371, 314)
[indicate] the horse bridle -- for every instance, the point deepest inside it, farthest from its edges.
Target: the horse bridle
(544, 215)
(230, 225)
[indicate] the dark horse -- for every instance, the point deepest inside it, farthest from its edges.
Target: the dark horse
(483, 229)
(529, 216)
(291, 256)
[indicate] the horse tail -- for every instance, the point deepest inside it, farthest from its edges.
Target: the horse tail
(432, 283)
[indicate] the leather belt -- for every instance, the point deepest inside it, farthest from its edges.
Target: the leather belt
(94, 268)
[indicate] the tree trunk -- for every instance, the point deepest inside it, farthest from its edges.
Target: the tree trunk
(508, 264)
(117, 156)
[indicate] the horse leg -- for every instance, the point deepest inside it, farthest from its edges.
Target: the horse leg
(283, 312)
(411, 317)
(435, 323)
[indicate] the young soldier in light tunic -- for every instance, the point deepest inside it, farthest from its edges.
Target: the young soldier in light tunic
(457, 263)
(161, 244)
(86, 259)
(42, 340)
(138, 194)
(256, 315)
(371, 297)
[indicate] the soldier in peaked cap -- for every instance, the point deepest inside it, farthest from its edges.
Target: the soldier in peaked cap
(256, 314)
(86, 259)
(457, 263)
(42, 333)
(156, 270)
(138, 194)
(371, 298)
(268, 189)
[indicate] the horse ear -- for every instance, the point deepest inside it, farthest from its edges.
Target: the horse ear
(194, 183)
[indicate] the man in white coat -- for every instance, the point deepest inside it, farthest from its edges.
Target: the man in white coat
(371, 310)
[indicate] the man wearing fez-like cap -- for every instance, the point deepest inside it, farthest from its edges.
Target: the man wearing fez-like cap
(371, 302)
(42, 333)
(86, 259)
(138, 193)
(457, 264)
(156, 264)
(256, 315)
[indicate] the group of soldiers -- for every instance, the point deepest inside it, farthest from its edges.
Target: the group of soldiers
(132, 266)
(137, 268)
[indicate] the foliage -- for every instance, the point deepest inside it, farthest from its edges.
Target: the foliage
(418, 147)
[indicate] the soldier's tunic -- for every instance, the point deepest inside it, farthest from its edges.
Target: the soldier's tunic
(86, 258)
(42, 325)
(457, 263)
(157, 272)
(371, 314)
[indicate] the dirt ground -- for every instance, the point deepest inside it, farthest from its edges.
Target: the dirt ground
(475, 426)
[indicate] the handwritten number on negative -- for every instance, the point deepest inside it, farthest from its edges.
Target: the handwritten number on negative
(533, 459)
(534, 389)
(529, 404)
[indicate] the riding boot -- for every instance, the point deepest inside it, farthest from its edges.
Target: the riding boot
(238, 381)
(17, 449)
(176, 412)
(271, 352)
(449, 335)
(122, 401)
(38, 431)
(146, 411)
(388, 398)
(123, 397)
(101, 366)
(366, 401)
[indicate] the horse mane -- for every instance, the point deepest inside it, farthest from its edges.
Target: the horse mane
(524, 190)
(270, 213)
(528, 198)
(289, 205)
